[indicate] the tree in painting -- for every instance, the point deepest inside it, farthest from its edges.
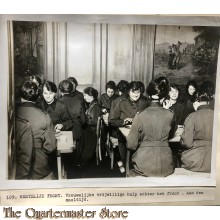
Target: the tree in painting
(184, 53)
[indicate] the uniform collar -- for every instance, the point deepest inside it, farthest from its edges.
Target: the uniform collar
(67, 95)
(155, 104)
(27, 104)
(203, 107)
(133, 102)
(92, 102)
(52, 105)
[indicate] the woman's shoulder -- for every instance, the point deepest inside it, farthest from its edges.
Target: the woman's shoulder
(60, 104)
(103, 95)
(95, 105)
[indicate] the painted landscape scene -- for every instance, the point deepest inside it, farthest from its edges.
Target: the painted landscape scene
(186, 53)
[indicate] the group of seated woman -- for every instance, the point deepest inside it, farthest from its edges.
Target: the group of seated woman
(69, 112)
(154, 120)
(152, 128)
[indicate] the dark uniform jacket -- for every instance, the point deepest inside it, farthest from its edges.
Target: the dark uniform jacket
(92, 113)
(188, 104)
(90, 137)
(105, 101)
(24, 148)
(148, 136)
(197, 140)
(58, 113)
(178, 109)
(78, 95)
(115, 101)
(43, 135)
(77, 112)
(125, 108)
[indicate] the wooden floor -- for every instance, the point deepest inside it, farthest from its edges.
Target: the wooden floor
(92, 170)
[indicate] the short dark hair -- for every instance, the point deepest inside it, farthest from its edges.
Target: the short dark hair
(37, 78)
(174, 86)
(110, 85)
(29, 91)
(203, 96)
(208, 87)
(66, 86)
(134, 86)
(122, 86)
(91, 92)
(50, 86)
(162, 80)
(163, 86)
(155, 87)
(73, 80)
(191, 83)
(142, 86)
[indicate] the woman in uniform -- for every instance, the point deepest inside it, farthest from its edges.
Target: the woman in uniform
(44, 141)
(196, 139)
(77, 112)
(189, 97)
(149, 135)
(173, 103)
(125, 110)
(122, 89)
(108, 97)
(56, 109)
(92, 113)
(75, 93)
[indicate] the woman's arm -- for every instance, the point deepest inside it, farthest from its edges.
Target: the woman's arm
(94, 113)
(114, 115)
(49, 144)
(187, 137)
(133, 137)
(66, 119)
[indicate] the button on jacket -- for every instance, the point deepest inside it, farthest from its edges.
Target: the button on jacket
(43, 136)
(197, 140)
(125, 108)
(58, 113)
(148, 137)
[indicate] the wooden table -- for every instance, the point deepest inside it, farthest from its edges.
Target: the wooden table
(65, 144)
(125, 131)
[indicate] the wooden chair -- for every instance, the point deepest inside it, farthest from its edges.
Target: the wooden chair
(127, 168)
(113, 143)
(98, 144)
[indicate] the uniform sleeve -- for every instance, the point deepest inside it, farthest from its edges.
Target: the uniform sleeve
(94, 114)
(133, 137)
(78, 121)
(82, 115)
(187, 136)
(49, 144)
(115, 113)
(173, 126)
(24, 142)
(101, 101)
(67, 121)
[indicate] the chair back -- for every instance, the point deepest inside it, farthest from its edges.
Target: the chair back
(98, 144)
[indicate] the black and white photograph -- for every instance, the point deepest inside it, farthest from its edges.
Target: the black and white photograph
(110, 101)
